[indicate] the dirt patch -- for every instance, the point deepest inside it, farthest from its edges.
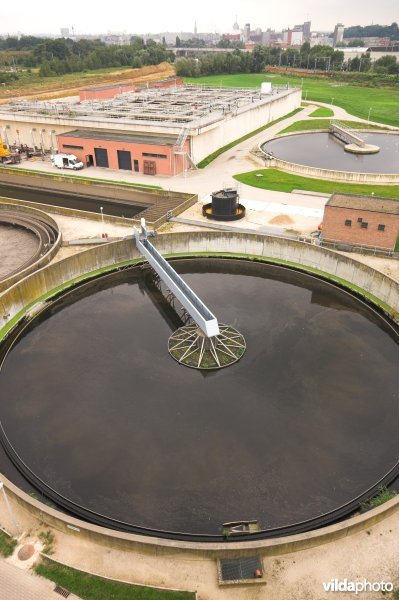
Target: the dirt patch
(58, 88)
(26, 552)
(281, 220)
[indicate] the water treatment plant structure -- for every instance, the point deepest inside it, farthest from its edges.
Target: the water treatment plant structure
(156, 130)
(206, 460)
(31, 296)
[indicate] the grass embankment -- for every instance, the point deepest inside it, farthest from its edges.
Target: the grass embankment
(82, 177)
(31, 84)
(211, 157)
(89, 587)
(397, 245)
(324, 124)
(7, 544)
(322, 112)
(356, 99)
(273, 179)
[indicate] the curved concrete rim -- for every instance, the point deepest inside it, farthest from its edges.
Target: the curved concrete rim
(316, 170)
(45, 258)
(281, 545)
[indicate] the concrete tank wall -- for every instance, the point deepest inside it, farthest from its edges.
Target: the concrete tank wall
(27, 211)
(311, 257)
(17, 298)
(230, 129)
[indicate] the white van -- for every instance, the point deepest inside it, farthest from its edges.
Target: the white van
(66, 161)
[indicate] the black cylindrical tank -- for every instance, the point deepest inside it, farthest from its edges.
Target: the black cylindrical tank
(224, 206)
(224, 202)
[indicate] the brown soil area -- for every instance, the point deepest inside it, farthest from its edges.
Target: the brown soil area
(281, 220)
(58, 88)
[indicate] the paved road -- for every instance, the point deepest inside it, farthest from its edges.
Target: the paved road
(16, 584)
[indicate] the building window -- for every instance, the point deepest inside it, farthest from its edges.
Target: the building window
(360, 219)
(348, 223)
(381, 227)
(364, 225)
(154, 155)
(71, 146)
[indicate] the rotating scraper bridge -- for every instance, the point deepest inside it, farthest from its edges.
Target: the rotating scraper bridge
(205, 344)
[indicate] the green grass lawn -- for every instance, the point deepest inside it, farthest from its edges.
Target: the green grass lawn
(322, 112)
(7, 544)
(32, 78)
(356, 99)
(273, 179)
(324, 124)
(89, 587)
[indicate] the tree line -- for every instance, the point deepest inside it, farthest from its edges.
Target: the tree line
(60, 56)
(357, 31)
(318, 58)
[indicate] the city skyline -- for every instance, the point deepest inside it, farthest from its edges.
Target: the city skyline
(161, 19)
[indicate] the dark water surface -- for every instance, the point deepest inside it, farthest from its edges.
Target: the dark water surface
(306, 421)
(325, 151)
(87, 203)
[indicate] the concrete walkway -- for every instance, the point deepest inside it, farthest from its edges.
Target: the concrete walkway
(370, 555)
(16, 584)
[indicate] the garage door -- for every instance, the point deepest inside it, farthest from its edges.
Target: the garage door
(124, 160)
(101, 157)
(150, 167)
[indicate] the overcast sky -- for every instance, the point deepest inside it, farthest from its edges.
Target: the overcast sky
(27, 16)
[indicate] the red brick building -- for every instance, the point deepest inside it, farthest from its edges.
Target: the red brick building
(137, 152)
(361, 220)
(167, 83)
(105, 92)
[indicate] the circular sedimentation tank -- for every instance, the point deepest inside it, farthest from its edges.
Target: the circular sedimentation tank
(324, 151)
(97, 416)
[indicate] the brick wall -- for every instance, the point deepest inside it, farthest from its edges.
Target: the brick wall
(105, 93)
(166, 163)
(356, 232)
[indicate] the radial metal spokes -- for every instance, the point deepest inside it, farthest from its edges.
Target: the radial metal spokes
(190, 347)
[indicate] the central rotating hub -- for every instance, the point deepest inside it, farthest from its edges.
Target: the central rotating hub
(191, 347)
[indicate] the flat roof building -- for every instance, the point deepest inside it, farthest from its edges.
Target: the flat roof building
(192, 121)
(369, 221)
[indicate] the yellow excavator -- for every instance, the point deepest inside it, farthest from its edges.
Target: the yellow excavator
(6, 156)
(4, 151)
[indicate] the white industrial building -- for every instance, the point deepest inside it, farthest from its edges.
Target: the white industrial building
(191, 122)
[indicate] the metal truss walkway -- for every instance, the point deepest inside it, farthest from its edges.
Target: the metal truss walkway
(202, 316)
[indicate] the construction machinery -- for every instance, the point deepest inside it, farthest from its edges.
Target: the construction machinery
(7, 157)
(4, 151)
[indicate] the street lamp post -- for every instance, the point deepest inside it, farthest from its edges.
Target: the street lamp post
(102, 215)
(14, 522)
(368, 118)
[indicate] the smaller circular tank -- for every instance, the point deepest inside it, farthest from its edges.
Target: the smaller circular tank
(224, 206)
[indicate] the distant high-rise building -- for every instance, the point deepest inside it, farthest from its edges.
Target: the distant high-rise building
(338, 33)
(195, 28)
(65, 32)
(306, 30)
(247, 32)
